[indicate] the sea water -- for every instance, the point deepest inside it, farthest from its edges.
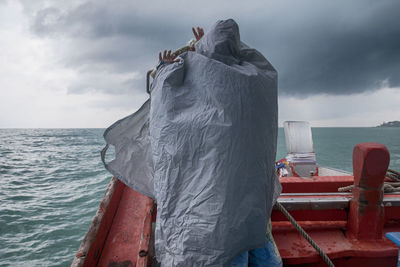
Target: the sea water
(52, 181)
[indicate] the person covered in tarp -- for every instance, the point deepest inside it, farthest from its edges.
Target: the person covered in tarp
(264, 256)
(203, 147)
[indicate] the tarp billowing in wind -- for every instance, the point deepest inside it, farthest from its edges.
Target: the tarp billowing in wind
(204, 148)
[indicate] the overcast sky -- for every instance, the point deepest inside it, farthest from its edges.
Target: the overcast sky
(83, 63)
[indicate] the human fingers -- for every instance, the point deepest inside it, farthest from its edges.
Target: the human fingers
(169, 54)
(195, 33)
(159, 56)
(201, 32)
(165, 54)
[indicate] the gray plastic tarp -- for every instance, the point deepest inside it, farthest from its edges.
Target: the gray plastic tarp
(204, 148)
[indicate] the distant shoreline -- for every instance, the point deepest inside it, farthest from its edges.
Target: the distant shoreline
(390, 124)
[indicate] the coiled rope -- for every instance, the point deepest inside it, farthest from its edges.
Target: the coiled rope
(305, 235)
(388, 187)
(394, 175)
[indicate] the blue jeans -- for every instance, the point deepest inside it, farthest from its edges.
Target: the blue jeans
(260, 257)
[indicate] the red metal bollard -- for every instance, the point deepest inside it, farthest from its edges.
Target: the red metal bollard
(366, 214)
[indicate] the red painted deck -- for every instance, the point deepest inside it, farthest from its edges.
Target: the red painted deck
(122, 244)
(120, 232)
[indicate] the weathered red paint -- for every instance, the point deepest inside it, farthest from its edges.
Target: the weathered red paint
(295, 250)
(123, 240)
(284, 226)
(392, 215)
(366, 214)
(102, 223)
(316, 184)
(311, 215)
(144, 246)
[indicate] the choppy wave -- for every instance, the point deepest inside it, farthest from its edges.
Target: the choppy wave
(52, 181)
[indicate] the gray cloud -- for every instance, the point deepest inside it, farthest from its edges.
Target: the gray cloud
(316, 46)
(97, 37)
(100, 19)
(342, 54)
(106, 83)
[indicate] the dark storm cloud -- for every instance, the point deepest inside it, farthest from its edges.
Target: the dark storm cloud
(317, 46)
(340, 54)
(98, 37)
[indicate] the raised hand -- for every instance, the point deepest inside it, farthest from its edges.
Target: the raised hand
(199, 33)
(166, 57)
